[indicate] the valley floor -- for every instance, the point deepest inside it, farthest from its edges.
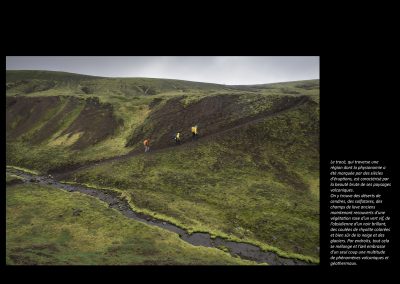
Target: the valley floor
(48, 226)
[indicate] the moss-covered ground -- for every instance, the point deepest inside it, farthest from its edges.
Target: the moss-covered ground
(51, 227)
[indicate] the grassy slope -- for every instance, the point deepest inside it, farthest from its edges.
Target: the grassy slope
(61, 83)
(55, 151)
(41, 229)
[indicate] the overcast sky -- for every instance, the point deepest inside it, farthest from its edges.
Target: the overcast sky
(230, 70)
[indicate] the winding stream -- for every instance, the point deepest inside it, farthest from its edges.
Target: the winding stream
(243, 250)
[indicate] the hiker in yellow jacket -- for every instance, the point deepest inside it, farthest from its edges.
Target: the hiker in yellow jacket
(178, 138)
(194, 132)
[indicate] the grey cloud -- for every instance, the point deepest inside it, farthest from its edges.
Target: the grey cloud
(234, 70)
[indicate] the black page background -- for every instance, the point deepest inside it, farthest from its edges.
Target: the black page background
(357, 123)
(358, 116)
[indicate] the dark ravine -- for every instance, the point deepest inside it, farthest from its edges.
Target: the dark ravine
(114, 200)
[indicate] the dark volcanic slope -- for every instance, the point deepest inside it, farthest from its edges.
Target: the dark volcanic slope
(212, 115)
(44, 116)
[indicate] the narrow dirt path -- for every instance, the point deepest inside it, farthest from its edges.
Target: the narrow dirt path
(64, 172)
(114, 200)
